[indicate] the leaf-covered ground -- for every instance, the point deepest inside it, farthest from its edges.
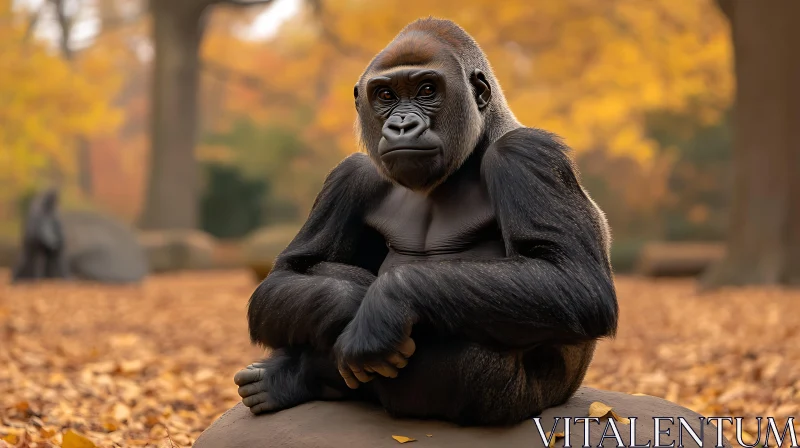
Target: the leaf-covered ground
(152, 365)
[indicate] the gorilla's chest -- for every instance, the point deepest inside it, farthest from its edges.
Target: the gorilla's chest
(459, 224)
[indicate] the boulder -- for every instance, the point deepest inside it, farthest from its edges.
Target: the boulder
(673, 259)
(352, 424)
(263, 245)
(101, 248)
(176, 250)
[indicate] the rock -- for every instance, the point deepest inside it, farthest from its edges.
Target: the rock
(263, 245)
(101, 248)
(670, 259)
(351, 424)
(174, 250)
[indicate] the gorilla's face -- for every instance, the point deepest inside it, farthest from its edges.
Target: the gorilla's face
(420, 122)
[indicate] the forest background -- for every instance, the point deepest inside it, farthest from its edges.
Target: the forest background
(642, 90)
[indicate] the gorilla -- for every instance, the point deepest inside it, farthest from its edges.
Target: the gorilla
(457, 271)
(43, 253)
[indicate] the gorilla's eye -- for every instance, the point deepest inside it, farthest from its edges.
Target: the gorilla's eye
(427, 90)
(386, 95)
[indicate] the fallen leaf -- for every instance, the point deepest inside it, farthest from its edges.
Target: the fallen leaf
(602, 410)
(748, 438)
(403, 439)
(11, 438)
(74, 440)
(133, 366)
(47, 432)
(110, 426)
(121, 412)
(556, 436)
(428, 435)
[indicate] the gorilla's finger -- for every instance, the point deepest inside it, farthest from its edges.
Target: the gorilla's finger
(255, 399)
(348, 377)
(397, 360)
(247, 376)
(250, 389)
(407, 348)
(359, 373)
(384, 369)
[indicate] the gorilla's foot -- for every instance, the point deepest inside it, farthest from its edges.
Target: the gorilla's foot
(284, 380)
(265, 388)
(254, 387)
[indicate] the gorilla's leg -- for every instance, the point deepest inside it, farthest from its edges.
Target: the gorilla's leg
(30, 265)
(55, 265)
(472, 385)
(290, 377)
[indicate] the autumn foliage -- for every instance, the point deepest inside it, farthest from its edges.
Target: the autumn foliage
(153, 365)
(593, 72)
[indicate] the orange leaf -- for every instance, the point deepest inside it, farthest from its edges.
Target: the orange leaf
(556, 436)
(602, 410)
(74, 440)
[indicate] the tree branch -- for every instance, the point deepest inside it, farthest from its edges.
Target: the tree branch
(32, 22)
(727, 7)
(65, 24)
(330, 36)
(226, 74)
(245, 2)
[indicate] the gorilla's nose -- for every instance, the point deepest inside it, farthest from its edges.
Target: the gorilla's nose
(406, 126)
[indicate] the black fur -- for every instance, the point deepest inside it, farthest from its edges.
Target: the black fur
(317, 283)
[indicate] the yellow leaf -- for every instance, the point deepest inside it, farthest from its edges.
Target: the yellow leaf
(428, 435)
(602, 410)
(74, 440)
(133, 366)
(121, 412)
(748, 438)
(556, 436)
(403, 439)
(11, 438)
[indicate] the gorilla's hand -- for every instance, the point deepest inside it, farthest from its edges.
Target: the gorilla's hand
(378, 340)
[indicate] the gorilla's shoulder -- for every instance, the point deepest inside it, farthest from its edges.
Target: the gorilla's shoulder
(358, 174)
(527, 146)
(528, 142)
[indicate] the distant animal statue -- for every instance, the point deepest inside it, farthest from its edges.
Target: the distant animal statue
(42, 254)
(82, 245)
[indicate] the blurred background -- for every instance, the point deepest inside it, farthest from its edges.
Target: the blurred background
(225, 116)
(206, 128)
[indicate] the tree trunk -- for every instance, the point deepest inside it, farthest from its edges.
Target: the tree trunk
(172, 190)
(763, 244)
(85, 174)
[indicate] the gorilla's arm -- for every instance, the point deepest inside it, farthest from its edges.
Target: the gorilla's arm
(319, 280)
(554, 285)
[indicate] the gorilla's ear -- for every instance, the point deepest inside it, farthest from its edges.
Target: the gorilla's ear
(483, 91)
(355, 95)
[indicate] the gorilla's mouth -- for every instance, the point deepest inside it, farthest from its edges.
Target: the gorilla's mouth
(401, 151)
